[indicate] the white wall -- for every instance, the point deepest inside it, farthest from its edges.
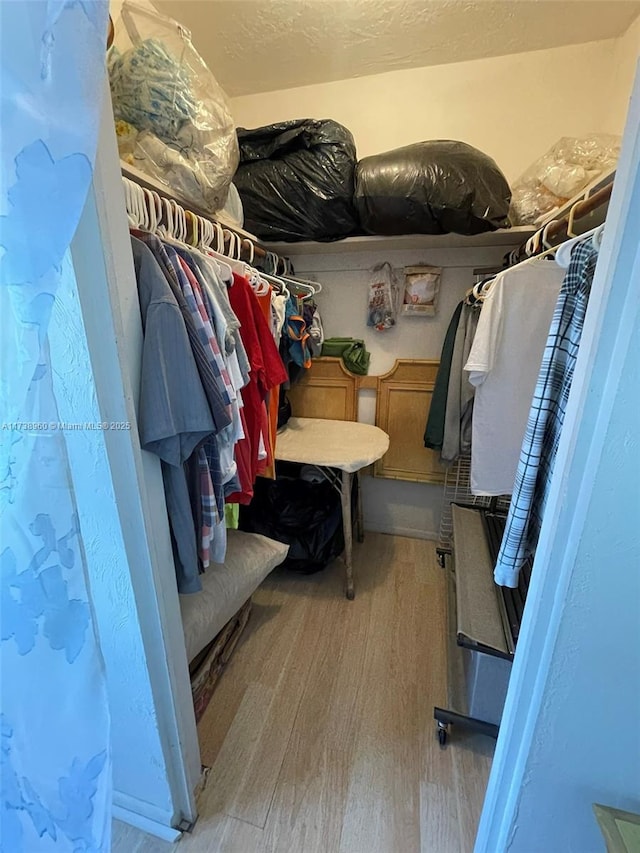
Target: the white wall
(392, 506)
(123, 517)
(134, 722)
(511, 107)
(626, 52)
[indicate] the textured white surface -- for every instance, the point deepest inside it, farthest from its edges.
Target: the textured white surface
(263, 45)
(250, 558)
(331, 444)
(134, 719)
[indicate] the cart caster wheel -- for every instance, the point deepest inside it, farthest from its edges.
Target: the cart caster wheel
(442, 737)
(351, 594)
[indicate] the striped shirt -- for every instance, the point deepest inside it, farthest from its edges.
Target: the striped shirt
(546, 417)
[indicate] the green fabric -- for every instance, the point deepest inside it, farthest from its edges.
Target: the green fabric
(232, 515)
(351, 350)
(434, 433)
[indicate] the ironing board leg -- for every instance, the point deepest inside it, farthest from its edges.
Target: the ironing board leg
(345, 496)
(359, 519)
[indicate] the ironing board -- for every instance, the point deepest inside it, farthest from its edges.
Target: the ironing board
(339, 450)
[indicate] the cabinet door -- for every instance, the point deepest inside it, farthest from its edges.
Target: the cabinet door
(327, 391)
(403, 400)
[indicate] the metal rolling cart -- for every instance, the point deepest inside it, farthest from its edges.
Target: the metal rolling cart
(483, 618)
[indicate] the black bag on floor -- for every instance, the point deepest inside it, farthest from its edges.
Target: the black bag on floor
(296, 180)
(306, 516)
(431, 188)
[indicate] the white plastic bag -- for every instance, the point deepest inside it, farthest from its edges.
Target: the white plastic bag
(382, 301)
(421, 287)
(162, 88)
(560, 174)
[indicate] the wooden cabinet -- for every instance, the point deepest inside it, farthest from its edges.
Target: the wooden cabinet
(403, 400)
(329, 390)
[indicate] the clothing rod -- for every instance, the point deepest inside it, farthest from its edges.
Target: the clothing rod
(138, 177)
(581, 209)
(558, 231)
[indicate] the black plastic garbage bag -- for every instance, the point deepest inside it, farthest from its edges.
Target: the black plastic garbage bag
(431, 188)
(306, 516)
(296, 180)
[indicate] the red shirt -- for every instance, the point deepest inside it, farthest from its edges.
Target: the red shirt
(267, 372)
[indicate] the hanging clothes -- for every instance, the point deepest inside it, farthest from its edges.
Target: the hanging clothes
(434, 431)
(265, 301)
(313, 321)
(503, 366)
(174, 416)
(296, 334)
(214, 397)
(546, 417)
(267, 372)
(460, 392)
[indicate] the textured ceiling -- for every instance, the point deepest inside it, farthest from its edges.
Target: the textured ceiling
(263, 45)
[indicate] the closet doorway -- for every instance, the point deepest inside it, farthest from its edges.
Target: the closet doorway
(319, 736)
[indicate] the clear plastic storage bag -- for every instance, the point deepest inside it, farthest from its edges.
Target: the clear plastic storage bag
(383, 298)
(559, 175)
(162, 88)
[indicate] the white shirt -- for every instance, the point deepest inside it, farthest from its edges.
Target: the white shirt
(503, 364)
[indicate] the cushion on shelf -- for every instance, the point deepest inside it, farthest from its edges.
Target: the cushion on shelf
(250, 558)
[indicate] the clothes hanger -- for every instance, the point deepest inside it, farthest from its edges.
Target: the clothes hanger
(205, 232)
(596, 239)
(132, 204)
(311, 288)
(214, 232)
(307, 290)
(258, 280)
(278, 283)
(532, 246)
(157, 209)
(219, 254)
(128, 201)
(317, 287)
(544, 239)
(141, 207)
(564, 250)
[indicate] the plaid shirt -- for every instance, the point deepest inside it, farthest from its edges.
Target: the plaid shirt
(208, 508)
(203, 328)
(210, 383)
(541, 438)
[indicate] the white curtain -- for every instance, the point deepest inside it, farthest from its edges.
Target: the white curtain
(55, 768)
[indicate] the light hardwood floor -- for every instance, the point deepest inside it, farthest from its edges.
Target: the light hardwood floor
(320, 735)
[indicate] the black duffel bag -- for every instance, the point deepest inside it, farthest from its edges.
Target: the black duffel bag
(296, 180)
(431, 188)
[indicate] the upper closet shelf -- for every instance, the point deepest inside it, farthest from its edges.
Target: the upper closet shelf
(508, 238)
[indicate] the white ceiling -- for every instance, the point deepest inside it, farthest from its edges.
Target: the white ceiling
(262, 45)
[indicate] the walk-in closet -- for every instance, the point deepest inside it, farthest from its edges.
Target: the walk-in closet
(353, 297)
